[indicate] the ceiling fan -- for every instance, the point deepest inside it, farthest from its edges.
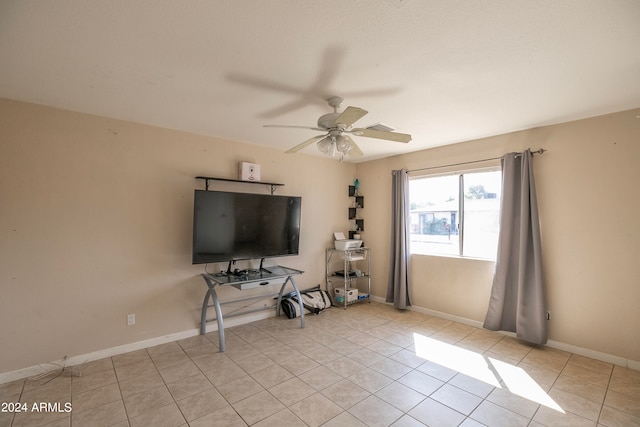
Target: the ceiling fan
(336, 126)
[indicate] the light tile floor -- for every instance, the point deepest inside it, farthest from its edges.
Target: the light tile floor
(369, 365)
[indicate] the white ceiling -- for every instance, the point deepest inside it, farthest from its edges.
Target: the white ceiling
(443, 71)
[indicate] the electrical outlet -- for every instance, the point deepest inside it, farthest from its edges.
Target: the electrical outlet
(131, 319)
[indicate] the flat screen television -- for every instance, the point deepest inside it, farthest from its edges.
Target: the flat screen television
(239, 226)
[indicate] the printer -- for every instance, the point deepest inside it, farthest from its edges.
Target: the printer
(343, 244)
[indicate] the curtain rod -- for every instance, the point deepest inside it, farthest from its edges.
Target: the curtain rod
(540, 151)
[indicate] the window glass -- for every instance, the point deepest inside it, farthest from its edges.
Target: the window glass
(482, 191)
(434, 215)
(436, 226)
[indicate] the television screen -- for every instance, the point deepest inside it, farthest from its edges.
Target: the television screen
(236, 226)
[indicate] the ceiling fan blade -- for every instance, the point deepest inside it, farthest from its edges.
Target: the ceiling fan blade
(389, 136)
(354, 151)
(306, 143)
(295, 127)
(350, 115)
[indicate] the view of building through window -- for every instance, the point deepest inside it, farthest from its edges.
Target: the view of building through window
(456, 214)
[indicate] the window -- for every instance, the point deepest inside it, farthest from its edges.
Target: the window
(456, 214)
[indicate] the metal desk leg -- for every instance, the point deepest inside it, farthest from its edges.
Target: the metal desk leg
(279, 302)
(203, 315)
(293, 282)
(216, 304)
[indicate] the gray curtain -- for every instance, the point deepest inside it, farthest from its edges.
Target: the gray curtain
(517, 301)
(398, 287)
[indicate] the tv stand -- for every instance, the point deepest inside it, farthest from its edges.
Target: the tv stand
(253, 279)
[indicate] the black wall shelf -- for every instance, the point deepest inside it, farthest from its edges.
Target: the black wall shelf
(353, 212)
(272, 185)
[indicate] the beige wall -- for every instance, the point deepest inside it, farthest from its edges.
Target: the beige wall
(95, 223)
(587, 186)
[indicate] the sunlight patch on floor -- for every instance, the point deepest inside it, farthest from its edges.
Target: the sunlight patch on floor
(518, 382)
(459, 359)
(485, 369)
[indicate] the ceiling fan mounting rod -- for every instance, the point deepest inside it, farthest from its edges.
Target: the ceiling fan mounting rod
(335, 102)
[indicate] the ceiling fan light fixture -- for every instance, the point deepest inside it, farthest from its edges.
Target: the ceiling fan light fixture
(342, 144)
(324, 145)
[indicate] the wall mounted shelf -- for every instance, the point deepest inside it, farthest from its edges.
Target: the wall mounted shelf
(358, 203)
(272, 185)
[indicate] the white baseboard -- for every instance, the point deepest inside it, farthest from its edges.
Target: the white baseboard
(240, 320)
(581, 351)
(31, 371)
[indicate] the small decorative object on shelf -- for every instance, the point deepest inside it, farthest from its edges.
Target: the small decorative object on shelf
(356, 184)
(249, 171)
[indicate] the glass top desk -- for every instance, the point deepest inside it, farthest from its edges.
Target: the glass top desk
(253, 279)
